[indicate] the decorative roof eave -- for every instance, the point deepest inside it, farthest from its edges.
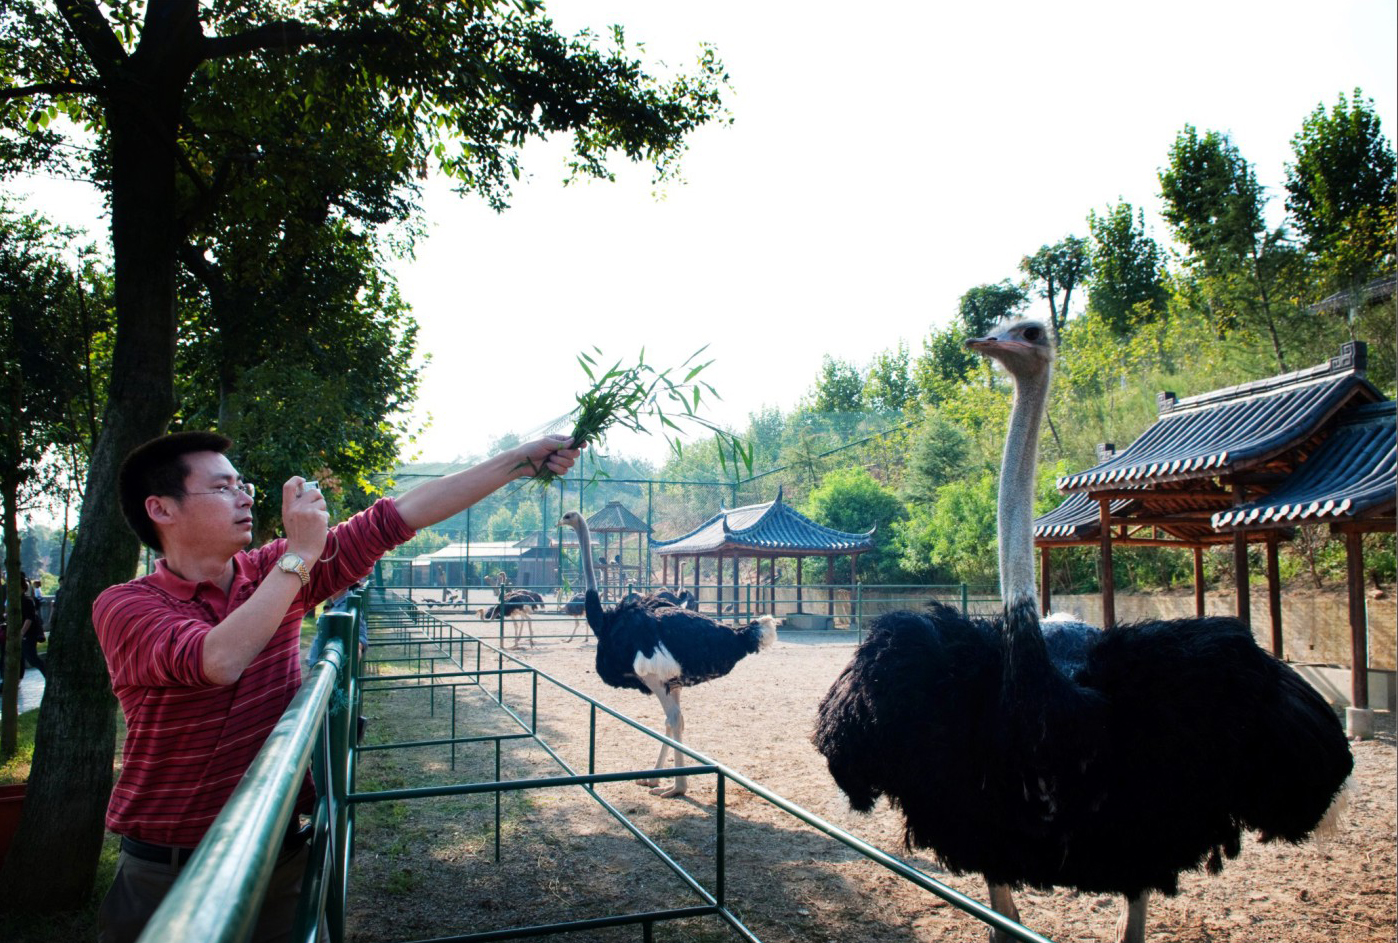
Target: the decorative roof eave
(1353, 475)
(770, 529)
(1230, 430)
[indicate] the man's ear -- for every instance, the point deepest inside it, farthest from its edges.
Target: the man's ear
(159, 508)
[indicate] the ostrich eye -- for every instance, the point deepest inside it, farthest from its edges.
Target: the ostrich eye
(1032, 333)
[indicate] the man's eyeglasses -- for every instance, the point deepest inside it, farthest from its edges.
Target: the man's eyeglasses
(228, 491)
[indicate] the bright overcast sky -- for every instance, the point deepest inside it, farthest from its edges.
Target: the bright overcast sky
(883, 160)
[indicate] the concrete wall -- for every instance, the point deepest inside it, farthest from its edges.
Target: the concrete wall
(1315, 627)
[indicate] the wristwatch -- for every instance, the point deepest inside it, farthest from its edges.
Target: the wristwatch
(292, 563)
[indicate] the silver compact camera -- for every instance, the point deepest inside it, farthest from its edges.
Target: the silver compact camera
(309, 486)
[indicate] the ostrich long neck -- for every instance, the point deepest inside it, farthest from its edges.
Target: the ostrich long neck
(585, 551)
(592, 603)
(1017, 481)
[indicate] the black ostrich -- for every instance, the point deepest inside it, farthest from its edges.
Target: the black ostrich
(1057, 754)
(516, 606)
(657, 648)
(577, 608)
(664, 597)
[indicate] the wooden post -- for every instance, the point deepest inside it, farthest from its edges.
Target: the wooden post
(696, 576)
(1240, 563)
(718, 586)
(799, 561)
(1045, 606)
(1358, 623)
(1274, 593)
(1199, 582)
(736, 600)
(830, 584)
(1104, 518)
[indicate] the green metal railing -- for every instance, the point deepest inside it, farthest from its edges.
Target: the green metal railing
(219, 893)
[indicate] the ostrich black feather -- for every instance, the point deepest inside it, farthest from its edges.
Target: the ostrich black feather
(1114, 762)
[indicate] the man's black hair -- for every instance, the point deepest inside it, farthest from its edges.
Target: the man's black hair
(158, 467)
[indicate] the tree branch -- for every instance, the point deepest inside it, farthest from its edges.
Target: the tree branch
(93, 33)
(285, 35)
(48, 88)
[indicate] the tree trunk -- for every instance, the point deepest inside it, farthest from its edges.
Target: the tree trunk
(52, 863)
(9, 511)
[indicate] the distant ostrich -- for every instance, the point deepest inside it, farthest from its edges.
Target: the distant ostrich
(1063, 755)
(516, 606)
(657, 648)
(577, 608)
(664, 597)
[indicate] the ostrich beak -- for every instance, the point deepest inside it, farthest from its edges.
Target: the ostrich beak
(992, 343)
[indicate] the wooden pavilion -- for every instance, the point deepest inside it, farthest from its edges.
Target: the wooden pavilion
(1206, 471)
(762, 532)
(615, 572)
(1348, 483)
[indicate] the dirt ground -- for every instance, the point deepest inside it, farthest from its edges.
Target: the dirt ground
(427, 868)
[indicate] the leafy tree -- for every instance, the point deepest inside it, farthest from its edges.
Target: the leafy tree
(464, 84)
(955, 535)
(765, 434)
(41, 372)
(1341, 190)
(528, 519)
(839, 387)
(984, 306)
(1128, 268)
(944, 364)
(940, 454)
(501, 525)
(849, 499)
(1214, 203)
(1060, 267)
(889, 385)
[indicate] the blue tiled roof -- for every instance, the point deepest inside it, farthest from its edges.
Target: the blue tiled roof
(772, 529)
(1077, 518)
(615, 518)
(1351, 474)
(1235, 428)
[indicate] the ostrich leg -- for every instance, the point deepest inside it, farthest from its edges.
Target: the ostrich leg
(657, 687)
(1131, 928)
(674, 729)
(1003, 901)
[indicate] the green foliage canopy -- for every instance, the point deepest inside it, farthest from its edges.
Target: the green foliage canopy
(849, 499)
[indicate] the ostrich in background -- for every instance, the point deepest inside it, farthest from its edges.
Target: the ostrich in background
(1058, 754)
(577, 608)
(516, 606)
(649, 646)
(664, 597)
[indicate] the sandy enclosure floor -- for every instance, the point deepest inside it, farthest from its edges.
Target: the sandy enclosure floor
(427, 869)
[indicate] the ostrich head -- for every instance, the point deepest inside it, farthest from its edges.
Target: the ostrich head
(1023, 347)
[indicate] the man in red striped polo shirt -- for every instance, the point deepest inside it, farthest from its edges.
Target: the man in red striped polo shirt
(204, 652)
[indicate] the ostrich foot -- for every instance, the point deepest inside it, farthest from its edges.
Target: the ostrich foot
(674, 792)
(649, 782)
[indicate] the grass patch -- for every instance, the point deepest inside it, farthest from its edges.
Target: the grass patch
(16, 768)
